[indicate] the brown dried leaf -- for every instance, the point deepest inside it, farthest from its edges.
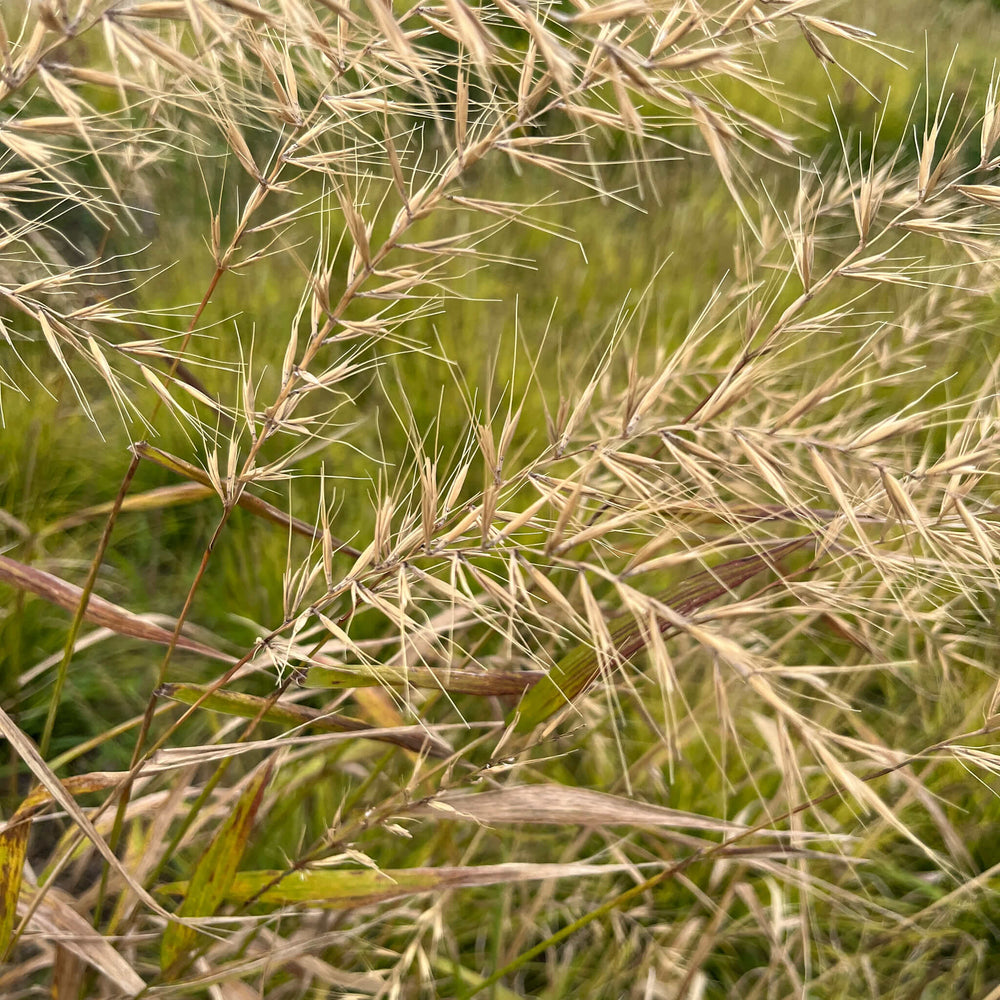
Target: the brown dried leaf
(99, 611)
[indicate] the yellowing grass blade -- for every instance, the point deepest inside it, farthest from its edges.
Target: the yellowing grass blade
(13, 849)
(215, 871)
(77, 784)
(155, 499)
(576, 671)
(346, 889)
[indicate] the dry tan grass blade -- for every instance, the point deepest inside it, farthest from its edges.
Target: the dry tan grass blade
(58, 924)
(26, 751)
(99, 611)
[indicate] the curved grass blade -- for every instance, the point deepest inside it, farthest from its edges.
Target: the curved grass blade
(77, 784)
(67, 595)
(28, 753)
(214, 874)
(578, 669)
(55, 920)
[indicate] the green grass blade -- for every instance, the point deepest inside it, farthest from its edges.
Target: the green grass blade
(578, 669)
(214, 872)
(345, 889)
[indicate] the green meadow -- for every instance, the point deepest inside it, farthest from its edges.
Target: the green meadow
(498, 499)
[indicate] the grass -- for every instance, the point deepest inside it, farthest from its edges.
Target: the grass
(485, 514)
